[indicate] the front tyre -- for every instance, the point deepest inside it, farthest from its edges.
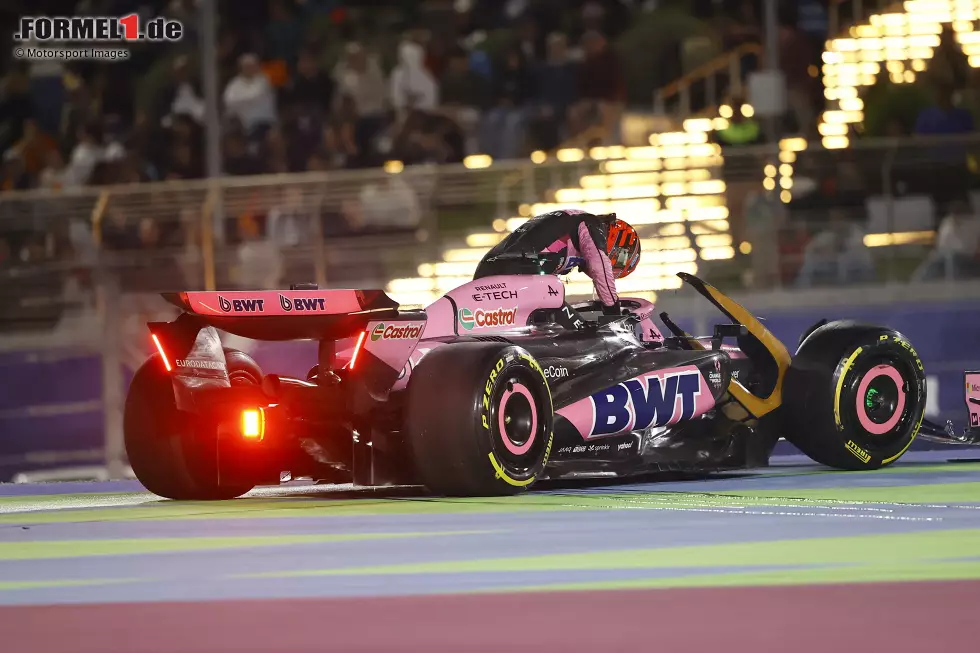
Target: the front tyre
(479, 419)
(855, 396)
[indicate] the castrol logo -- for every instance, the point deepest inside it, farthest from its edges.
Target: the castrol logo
(487, 319)
(396, 331)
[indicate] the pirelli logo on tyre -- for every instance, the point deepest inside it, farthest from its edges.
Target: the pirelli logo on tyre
(905, 344)
(488, 392)
(396, 331)
(858, 452)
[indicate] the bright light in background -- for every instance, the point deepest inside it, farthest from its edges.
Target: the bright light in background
(476, 161)
(394, 167)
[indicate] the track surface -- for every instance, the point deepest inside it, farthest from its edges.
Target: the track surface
(793, 555)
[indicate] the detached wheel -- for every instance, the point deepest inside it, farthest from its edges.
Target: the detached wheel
(854, 396)
(479, 419)
(172, 453)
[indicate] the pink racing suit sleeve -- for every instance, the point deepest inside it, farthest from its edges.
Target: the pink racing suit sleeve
(598, 267)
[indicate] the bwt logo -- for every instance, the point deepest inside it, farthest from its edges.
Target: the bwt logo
(481, 319)
(241, 305)
(302, 303)
(656, 404)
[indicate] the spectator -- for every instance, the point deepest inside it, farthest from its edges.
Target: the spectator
(392, 204)
(557, 89)
(87, 153)
(47, 91)
(359, 77)
(34, 147)
(504, 123)
(412, 86)
(957, 243)
(464, 94)
(55, 174)
(284, 33)
(837, 255)
(14, 176)
(249, 97)
(259, 261)
(309, 91)
(16, 106)
(182, 97)
(461, 87)
(238, 160)
(602, 87)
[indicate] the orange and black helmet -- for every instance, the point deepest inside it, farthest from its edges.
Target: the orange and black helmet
(623, 248)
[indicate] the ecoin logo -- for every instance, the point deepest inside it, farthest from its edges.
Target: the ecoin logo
(394, 332)
(484, 319)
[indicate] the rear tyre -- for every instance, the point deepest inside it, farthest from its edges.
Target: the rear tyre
(854, 396)
(173, 454)
(479, 419)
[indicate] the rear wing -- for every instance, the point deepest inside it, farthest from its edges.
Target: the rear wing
(191, 348)
(288, 314)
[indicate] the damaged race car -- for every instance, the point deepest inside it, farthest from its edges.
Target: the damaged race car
(502, 383)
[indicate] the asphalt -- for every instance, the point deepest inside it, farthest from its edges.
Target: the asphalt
(857, 559)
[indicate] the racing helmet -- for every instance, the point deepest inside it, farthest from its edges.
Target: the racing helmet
(623, 248)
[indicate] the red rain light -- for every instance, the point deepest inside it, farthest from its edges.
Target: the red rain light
(253, 423)
(357, 349)
(163, 354)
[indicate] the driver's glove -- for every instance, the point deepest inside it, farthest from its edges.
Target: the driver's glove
(612, 310)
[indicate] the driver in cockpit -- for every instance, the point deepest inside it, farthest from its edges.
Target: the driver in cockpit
(602, 246)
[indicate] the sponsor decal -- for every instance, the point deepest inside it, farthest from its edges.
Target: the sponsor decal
(199, 364)
(858, 452)
(241, 305)
(598, 447)
(495, 295)
(555, 372)
(302, 304)
(650, 400)
(576, 321)
(578, 449)
(492, 286)
(487, 319)
(624, 446)
(396, 332)
(551, 291)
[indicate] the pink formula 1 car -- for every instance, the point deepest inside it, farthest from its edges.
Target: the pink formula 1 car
(500, 384)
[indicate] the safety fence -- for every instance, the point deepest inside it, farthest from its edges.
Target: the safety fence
(792, 214)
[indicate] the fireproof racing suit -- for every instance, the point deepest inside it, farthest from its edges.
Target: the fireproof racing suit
(579, 237)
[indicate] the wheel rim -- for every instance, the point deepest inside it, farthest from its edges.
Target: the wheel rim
(884, 398)
(517, 418)
(515, 422)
